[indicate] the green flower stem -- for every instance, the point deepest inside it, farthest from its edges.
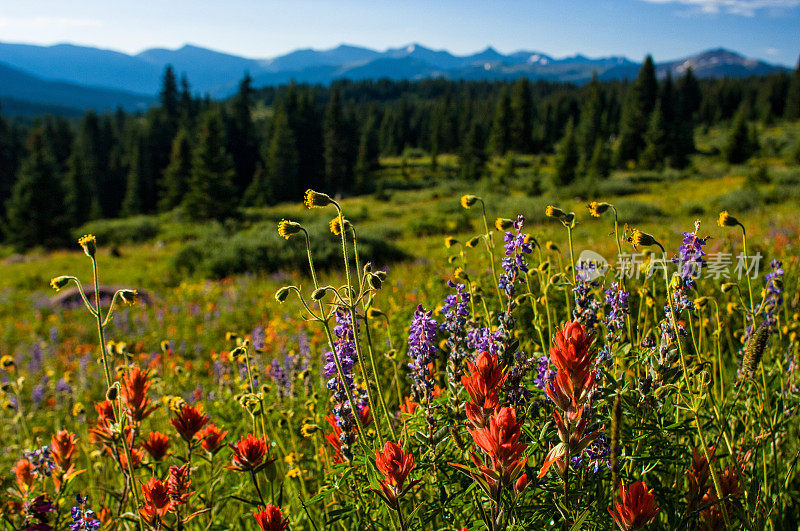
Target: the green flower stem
(490, 247)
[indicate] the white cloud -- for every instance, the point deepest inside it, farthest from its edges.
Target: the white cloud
(772, 51)
(747, 8)
(48, 22)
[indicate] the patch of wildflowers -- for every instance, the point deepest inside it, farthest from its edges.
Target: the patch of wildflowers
(422, 350)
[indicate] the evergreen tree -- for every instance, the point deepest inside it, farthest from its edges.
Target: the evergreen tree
(35, 211)
(639, 103)
(599, 165)
(656, 141)
(688, 99)
(473, 153)
(177, 173)
(168, 96)
(340, 149)
(187, 104)
(8, 163)
(210, 191)
(282, 162)
(522, 116)
(792, 108)
(80, 194)
(305, 120)
(242, 139)
(138, 178)
(260, 190)
(500, 139)
(590, 127)
(567, 158)
(367, 161)
(741, 142)
(58, 135)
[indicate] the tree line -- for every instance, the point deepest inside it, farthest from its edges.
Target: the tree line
(263, 146)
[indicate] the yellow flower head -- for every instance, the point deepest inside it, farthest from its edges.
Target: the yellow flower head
(314, 199)
(449, 241)
(503, 224)
(78, 409)
(551, 246)
(288, 228)
(89, 244)
(473, 242)
(726, 220)
(642, 239)
(467, 200)
(128, 296)
(7, 362)
(336, 227)
(553, 212)
(597, 209)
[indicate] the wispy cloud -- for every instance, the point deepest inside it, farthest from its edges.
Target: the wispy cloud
(48, 22)
(747, 8)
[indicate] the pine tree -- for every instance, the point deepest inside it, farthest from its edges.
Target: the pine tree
(367, 161)
(210, 194)
(639, 103)
(282, 162)
(136, 183)
(522, 116)
(80, 194)
(792, 109)
(242, 138)
(260, 191)
(35, 211)
(567, 158)
(590, 126)
(340, 149)
(688, 98)
(8, 163)
(473, 153)
(599, 165)
(500, 139)
(177, 174)
(656, 141)
(740, 144)
(168, 96)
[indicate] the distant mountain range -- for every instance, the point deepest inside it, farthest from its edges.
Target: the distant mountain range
(80, 77)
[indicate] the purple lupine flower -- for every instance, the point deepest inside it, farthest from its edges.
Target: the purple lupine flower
(83, 518)
(774, 294)
(259, 337)
(542, 372)
(617, 300)
(422, 350)
(690, 256)
(586, 304)
(456, 313)
(280, 377)
(63, 387)
(42, 461)
(482, 339)
(35, 364)
(516, 247)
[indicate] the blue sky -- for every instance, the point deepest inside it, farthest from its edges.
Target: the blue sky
(669, 29)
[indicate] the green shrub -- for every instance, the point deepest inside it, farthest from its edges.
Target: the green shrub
(119, 231)
(737, 200)
(632, 211)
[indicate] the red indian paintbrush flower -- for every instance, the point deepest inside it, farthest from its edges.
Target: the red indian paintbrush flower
(157, 502)
(62, 446)
(248, 453)
(134, 394)
(157, 445)
(395, 465)
(712, 514)
(334, 439)
(189, 421)
(483, 385)
(211, 438)
(500, 442)
(178, 484)
(636, 508)
(271, 519)
(575, 377)
(23, 470)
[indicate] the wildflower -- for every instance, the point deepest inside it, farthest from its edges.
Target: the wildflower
(449, 241)
(571, 357)
(473, 242)
(598, 209)
(189, 421)
(178, 484)
(287, 229)
(41, 460)
(136, 458)
(642, 239)
(271, 519)
(157, 445)
(395, 465)
(308, 429)
(729, 484)
(134, 393)
(636, 508)
(211, 438)
(483, 385)
(468, 201)
(7, 362)
(690, 256)
(756, 345)
(408, 406)
(503, 224)
(23, 470)
(500, 442)
(314, 199)
(514, 261)
(248, 453)
(62, 446)
(456, 313)
(128, 296)
(551, 246)
(89, 244)
(552, 212)
(59, 283)
(726, 220)
(83, 519)
(422, 350)
(157, 502)
(336, 227)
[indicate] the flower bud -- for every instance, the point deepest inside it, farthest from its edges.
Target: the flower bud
(282, 294)
(553, 212)
(374, 282)
(503, 224)
(642, 239)
(59, 283)
(111, 394)
(728, 286)
(449, 241)
(726, 220)
(374, 313)
(473, 242)
(336, 228)
(319, 293)
(597, 209)
(128, 296)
